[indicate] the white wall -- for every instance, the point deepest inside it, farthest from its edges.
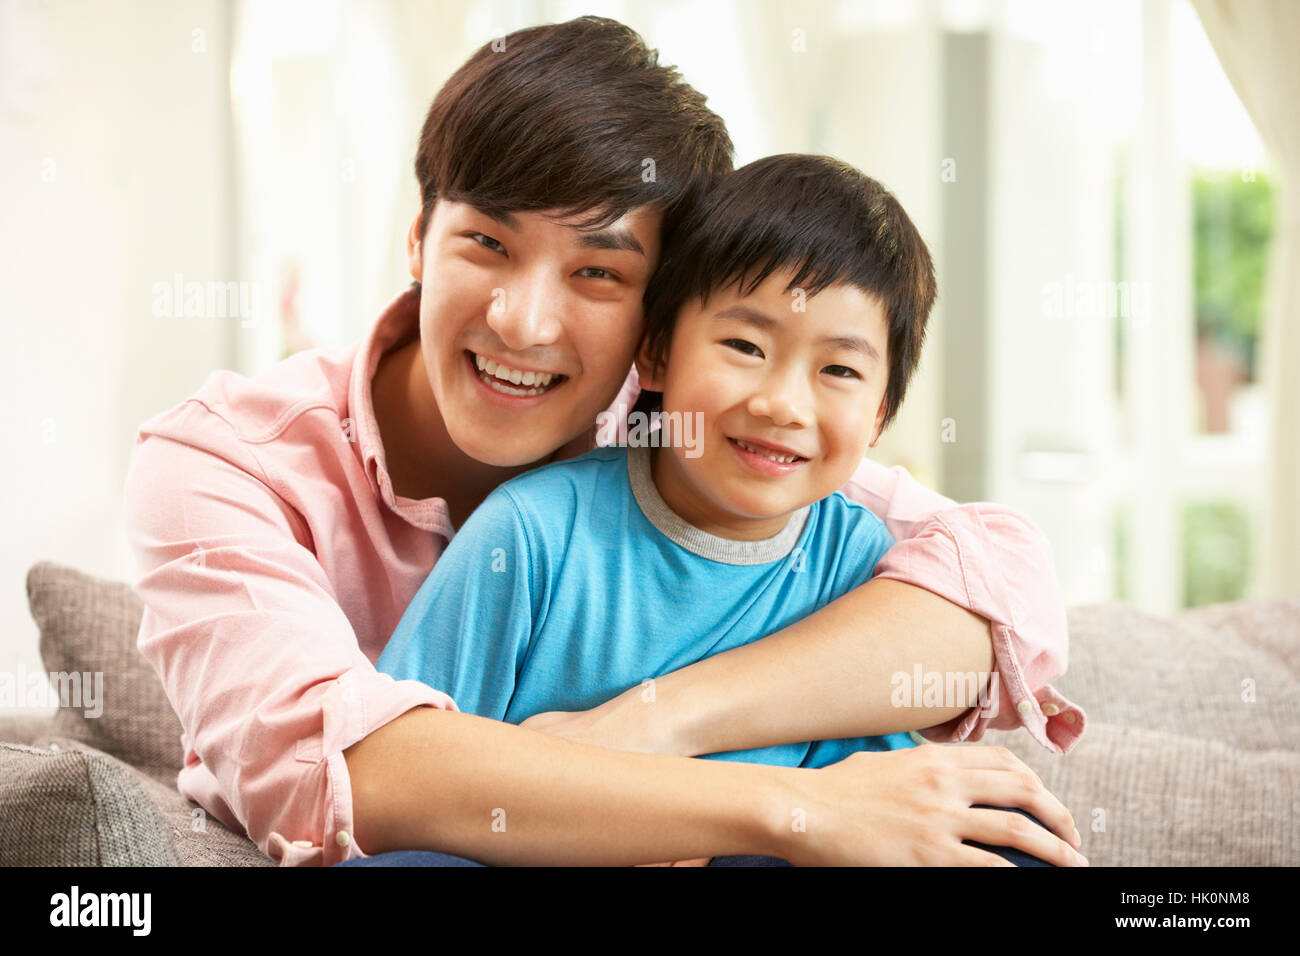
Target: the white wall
(114, 163)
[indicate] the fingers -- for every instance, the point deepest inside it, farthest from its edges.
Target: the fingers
(1004, 828)
(974, 856)
(1007, 781)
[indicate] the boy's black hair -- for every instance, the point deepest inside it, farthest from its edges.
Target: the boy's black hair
(817, 216)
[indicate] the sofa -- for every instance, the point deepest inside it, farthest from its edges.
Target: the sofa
(1190, 757)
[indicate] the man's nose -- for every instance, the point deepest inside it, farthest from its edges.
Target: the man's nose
(784, 398)
(527, 312)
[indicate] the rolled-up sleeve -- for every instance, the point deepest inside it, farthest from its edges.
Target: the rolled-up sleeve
(259, 661)
(998, 564)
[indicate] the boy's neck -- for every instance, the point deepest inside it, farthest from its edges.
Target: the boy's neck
(675, 489)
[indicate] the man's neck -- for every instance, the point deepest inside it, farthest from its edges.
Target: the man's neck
(423, 461)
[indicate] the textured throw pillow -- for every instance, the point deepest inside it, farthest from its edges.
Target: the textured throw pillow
(198, 838)
(76, 808)
(88, 626)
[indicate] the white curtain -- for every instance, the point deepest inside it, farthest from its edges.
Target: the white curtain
(1257, 43)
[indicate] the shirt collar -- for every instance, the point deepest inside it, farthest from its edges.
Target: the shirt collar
(397, 325)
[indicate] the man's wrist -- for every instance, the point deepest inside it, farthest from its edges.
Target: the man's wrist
(782, 813)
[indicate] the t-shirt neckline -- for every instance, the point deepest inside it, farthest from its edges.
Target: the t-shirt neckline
(693, 539)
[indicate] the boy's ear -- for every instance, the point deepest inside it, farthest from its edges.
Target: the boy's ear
(880, 420)
(651, 380)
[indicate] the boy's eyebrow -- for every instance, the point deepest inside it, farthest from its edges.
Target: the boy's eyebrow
(854, 343)
(591, 239)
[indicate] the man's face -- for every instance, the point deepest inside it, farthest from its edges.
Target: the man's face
(761, 372)
(521, 294)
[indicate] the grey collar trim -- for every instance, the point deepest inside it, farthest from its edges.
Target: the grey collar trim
(706, 545)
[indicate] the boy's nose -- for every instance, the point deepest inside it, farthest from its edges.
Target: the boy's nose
(782, 403)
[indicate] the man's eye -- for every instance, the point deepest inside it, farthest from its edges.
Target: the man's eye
(604, 273)
(741, 342)
(488, 242)
(844, 368)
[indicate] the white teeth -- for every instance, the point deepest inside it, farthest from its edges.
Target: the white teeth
(514, 376)
(771, 456)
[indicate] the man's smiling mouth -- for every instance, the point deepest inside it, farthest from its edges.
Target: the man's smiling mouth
(501, 378)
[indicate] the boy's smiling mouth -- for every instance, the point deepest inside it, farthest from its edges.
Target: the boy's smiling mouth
(765, 458)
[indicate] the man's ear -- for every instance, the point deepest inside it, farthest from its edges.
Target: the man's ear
(651, 379)
(415, 250)
(880, 420)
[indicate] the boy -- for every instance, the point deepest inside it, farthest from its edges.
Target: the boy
(787, 319)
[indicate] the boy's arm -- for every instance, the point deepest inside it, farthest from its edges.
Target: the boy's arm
(467, 629)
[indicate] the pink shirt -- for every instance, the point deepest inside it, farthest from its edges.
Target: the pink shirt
(275, 562)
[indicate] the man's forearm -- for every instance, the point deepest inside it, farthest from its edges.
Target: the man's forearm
(493, 792)
(827, 676)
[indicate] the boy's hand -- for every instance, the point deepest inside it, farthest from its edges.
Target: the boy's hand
(624, 723)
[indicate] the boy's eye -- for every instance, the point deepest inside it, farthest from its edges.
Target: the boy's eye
(844, 368)
(741, 342)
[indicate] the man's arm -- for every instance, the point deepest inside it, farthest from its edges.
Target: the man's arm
(499, 794)
(967, 592)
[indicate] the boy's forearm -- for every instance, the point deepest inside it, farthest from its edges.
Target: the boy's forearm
(828, 675)
(493, 792)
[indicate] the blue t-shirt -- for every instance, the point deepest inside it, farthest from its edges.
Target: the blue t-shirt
(574, 582)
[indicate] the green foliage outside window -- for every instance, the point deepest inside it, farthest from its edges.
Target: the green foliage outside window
(1216, 552)
(1233, 222)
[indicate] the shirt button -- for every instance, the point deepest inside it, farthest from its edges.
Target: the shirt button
(342, 838)
(1051, 710)
(1069, 717)
(1024, 707)
(303, 844)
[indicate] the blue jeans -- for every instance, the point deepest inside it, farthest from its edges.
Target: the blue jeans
(430, 858)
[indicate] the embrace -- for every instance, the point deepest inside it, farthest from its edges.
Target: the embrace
(463, 630)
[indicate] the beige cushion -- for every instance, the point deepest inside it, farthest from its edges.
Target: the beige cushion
(1184, 674)
(198, 838)
(1178, 767)
(76, 808)
(90, 625)
(1148, 798)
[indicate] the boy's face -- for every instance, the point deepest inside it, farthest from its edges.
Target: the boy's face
(762, 373)
(534, 295)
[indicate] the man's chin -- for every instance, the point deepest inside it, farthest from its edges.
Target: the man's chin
(507, 454)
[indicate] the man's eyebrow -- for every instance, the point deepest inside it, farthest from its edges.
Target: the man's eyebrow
(853, 343)
(610, 239)
(509, 220)
(617, 239)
